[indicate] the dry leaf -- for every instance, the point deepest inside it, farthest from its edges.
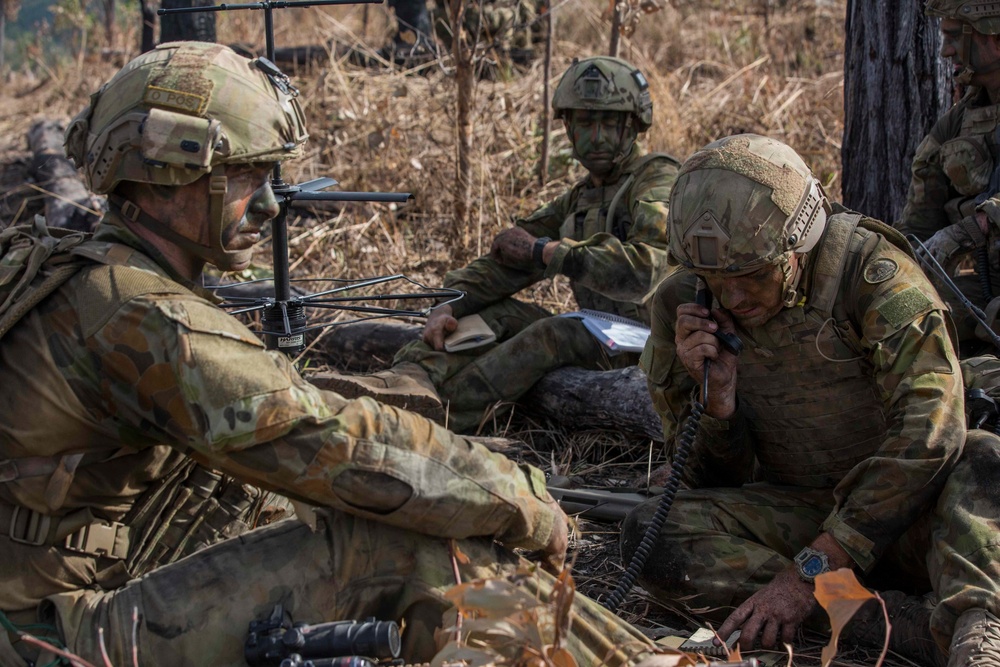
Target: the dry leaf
(841, 595)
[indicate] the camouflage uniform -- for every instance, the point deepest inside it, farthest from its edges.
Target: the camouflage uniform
(956, 168)
(952, 169)
(127, 394)
(849, 421)
(613, 262)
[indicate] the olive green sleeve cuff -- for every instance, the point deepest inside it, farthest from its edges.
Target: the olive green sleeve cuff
(857, 546)
(555, 265)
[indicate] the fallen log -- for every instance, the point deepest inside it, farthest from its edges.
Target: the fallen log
(573, 398)
(581, 399)
(68, 203)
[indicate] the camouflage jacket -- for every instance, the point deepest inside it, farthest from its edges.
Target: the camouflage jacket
(614, 265)
(952, 166)
(857, 390)
(140, 372)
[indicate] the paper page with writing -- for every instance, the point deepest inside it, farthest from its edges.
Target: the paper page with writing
(617, 333)
(472, 332)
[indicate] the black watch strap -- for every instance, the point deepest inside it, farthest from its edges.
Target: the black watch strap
(538, 249)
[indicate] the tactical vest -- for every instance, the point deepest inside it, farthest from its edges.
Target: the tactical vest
(186, 509)
(606, 209)
(970, 159)
(820, 415)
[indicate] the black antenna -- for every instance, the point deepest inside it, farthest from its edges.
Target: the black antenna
(283, 320)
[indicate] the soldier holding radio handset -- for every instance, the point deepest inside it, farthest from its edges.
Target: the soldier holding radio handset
(834, 440)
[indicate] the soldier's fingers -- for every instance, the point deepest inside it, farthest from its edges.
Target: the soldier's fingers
(692, 309)
(769, 637)
(735, 620)
(788, 631)
(751, 630)
(689, 324)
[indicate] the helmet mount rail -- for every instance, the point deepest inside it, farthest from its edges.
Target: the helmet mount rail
(284, 321)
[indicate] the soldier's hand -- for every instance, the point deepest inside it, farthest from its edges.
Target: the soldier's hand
(695, 340)
(555, 550)
(439, 324)
(773, 613)
(512, 248)
(951, 241)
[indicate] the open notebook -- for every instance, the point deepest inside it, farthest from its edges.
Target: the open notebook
(617, 333)
(472, 332)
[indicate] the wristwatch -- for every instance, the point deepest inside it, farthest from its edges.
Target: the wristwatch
(811, 563)
(538, 249)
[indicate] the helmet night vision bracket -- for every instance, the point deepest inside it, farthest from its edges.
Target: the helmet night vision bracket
(283, 316)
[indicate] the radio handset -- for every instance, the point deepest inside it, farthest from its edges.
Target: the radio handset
(685, 441)
(703, 297)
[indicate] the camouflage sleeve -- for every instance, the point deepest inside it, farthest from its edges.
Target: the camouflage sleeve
(930, 188)
(722, 454)
(486, 281)
(626, 270)
(916, 371)
(179, 371)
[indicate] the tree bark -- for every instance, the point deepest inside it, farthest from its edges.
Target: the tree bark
(148, 15)
(195, 26)
(463, 50)
(573, 398)
(543, 165)
(68, 203)
(895, 87)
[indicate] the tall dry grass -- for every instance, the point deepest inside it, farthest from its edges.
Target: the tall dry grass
(715, 68)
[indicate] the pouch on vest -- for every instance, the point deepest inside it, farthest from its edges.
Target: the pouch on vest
(34, 263)
(967, 163)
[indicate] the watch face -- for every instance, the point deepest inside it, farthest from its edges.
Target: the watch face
(813, 565)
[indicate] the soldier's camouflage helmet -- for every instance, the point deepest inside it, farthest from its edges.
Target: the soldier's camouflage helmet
(744, 202)
(604, 83)
(983, 16)
(179, 112)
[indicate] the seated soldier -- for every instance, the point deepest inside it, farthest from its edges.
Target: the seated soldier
(953, 203)
(135, 415)
(834, 440)
(607, 235)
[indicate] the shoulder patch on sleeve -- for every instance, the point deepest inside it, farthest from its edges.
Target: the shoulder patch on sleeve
(904, 306)
(880, 270)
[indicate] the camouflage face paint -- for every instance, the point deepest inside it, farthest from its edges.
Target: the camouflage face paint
(599, 138)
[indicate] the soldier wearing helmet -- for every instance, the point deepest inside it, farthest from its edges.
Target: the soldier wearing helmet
(953, 204)
(139, 422)
(835, 439)
(607, 234)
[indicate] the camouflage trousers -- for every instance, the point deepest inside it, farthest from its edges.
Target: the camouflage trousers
(197, 611)
(486, 380)
(720, 546)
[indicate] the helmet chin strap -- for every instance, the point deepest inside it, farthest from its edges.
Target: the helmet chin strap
(214, 253)
(790, 294)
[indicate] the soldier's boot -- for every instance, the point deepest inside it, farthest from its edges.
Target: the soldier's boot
(406, 385)
(976, 642)
(910, 617)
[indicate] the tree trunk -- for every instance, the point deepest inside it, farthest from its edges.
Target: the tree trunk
(68, 203)
(895, 87)
(109, 22)
(148, 15)
(195, 26)
(543, 165)
(463, 51)
(3, 32)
